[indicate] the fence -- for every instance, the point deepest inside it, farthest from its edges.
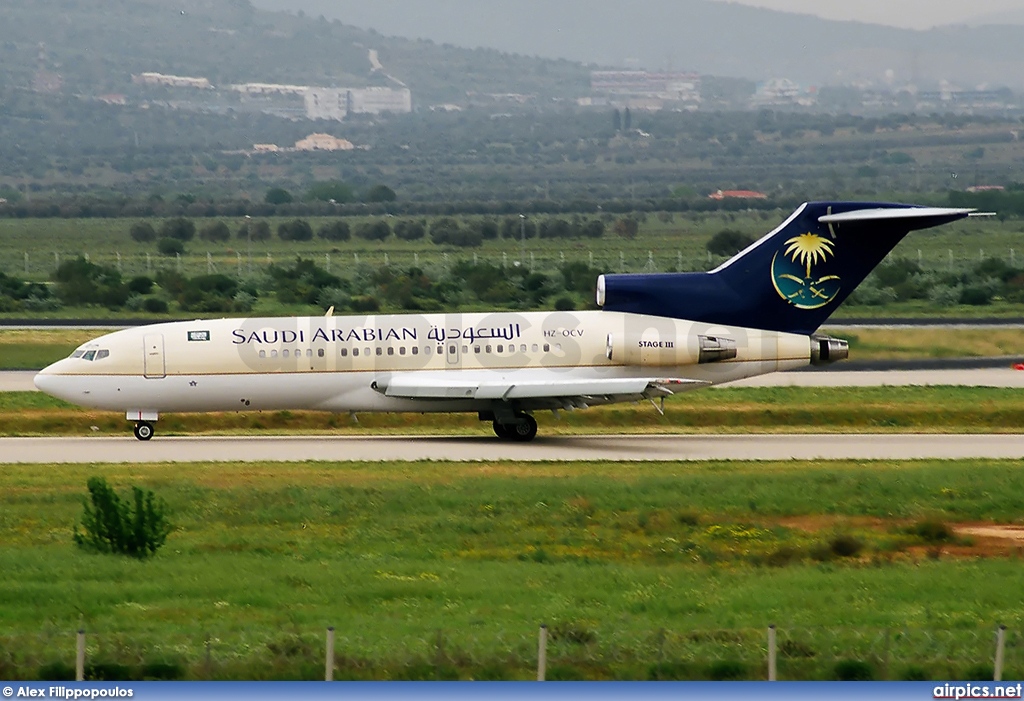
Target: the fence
(557, 652)
(39, 266)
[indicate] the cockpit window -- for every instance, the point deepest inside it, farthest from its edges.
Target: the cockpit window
(100, 355)
(90, 355)
(78, 354)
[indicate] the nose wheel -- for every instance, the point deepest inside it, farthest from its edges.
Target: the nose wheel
(143, 430)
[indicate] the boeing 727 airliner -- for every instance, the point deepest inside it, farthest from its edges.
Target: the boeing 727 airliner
(655, 335)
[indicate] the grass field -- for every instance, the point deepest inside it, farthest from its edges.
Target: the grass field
(769, 410)
(34, 349)
(435, 570)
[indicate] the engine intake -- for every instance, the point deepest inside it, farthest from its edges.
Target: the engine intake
(826, 350)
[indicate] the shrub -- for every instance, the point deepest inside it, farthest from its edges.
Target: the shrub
(143, 232)
(853, 671)
(727, 670)
(111, 524)
(155, 305)
(170, 247)
(410, 230)
(845, 546)
(932, 531)
(178, 228)
(295, 230)
(374, 231)
(335, 231)
(277, 195)
(215, 231)
(140, 285)
(254, 231)
(728, 242)
(381, 193)
(365, 303)
(565, 304)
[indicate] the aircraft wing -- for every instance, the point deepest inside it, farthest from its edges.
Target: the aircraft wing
(448, 385)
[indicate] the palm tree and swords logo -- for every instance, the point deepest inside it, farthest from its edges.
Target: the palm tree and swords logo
(800, 274)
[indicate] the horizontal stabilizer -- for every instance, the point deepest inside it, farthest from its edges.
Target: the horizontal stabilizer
(448, 385)
(905, 214)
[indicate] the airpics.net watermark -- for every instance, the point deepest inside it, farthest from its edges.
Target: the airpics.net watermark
(978, 691)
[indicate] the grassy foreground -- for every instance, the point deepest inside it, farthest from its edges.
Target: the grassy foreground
(433, 570)
(767, 409)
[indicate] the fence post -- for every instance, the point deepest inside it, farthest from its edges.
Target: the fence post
(772, 660)
(1000, 651)
(542, 653)
(329, 662)
(80, 656)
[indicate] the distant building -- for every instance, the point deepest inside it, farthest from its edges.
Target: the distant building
(782, 92)
(172, 81)
(323, 142)
(113, 99)
(265, 148)
(269, 89)
(986, 188)
(338, 103)
(738, 194)
(646, 90)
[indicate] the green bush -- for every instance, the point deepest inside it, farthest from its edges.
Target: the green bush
(111, 524)
(853, 671)
(170, 247)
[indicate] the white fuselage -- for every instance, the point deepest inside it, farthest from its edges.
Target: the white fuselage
(340, 363)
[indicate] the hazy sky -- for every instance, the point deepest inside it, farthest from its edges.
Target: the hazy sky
(916, 14)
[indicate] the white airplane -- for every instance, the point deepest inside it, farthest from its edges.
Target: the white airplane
(655, 335)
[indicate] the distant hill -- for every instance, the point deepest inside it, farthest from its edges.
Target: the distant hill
(1002, 18)
(95, 46)
(708, 37)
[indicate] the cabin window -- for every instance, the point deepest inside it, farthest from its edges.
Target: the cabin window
(558, 346)
(465, 349)
(320, 352)
(380, 351)
(452, 350)
(263, 354)
(100, 355)
(534, 349)
(344, 352)
(273, 354)
(401, 350)
(309, 352)
(78, 354)
(391, 350)
(355, 352)
(89, 356)
(285, 353)
(426, 350)
(487, 349)
(501, 348)
(366, 351)
(476, 349)
(415, 350)
(547, 347)
(522, 348)
(298, 353)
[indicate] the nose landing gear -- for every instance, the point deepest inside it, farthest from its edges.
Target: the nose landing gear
(143, 430)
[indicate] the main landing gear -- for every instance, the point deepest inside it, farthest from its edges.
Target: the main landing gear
(143, 430)
(522, 430)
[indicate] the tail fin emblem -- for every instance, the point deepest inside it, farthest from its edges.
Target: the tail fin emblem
(801, 275)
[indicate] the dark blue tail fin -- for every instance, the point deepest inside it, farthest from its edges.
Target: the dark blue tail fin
(791, 280)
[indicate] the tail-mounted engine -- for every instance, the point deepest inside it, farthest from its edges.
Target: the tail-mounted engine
(825, 350)
(652, 350)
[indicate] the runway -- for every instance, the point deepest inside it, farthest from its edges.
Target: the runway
(486, 449)
(21, 381)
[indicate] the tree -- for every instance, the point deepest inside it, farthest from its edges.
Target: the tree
(170, 247)
(728, 242)
(627, 120)
(254, 231)
(335, 231)
(627, 227)
(178, 228)
(381, 193)
(215, 231)
(295, 230)
(410, 230)
(278, 195)
(374, 231)
(330, 191)
(143, 232)
(617, 120)
(110, 524)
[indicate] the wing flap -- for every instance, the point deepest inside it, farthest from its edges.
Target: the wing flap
(434, 386)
